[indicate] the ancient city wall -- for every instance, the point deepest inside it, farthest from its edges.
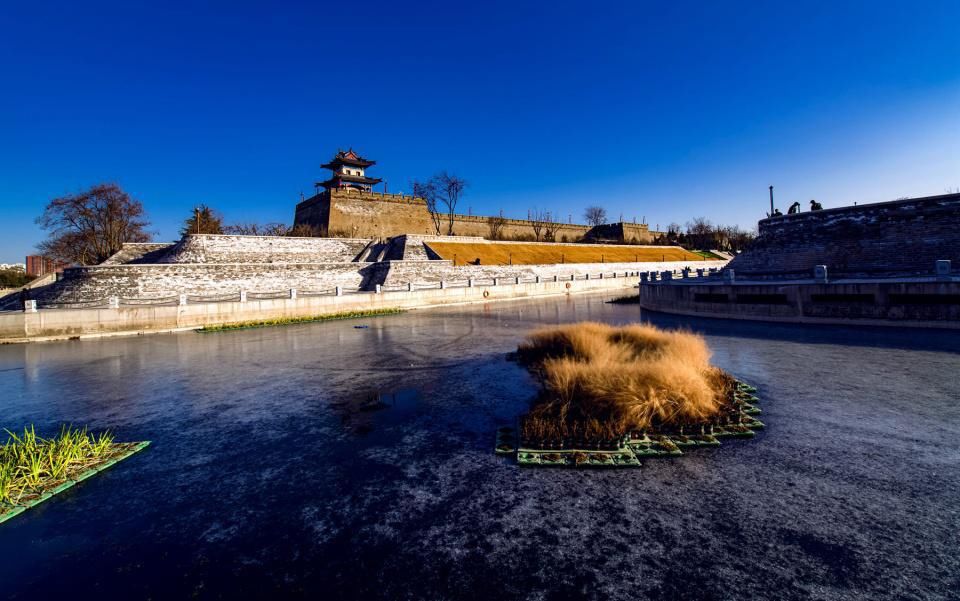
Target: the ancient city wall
(901, 237)
(315, 212)
(369, 214)
(635, 233)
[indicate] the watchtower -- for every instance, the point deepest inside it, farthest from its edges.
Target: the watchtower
(347, 168)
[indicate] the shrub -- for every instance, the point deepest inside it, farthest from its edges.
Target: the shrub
(14, 278)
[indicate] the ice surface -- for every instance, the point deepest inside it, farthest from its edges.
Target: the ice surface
(322, 461)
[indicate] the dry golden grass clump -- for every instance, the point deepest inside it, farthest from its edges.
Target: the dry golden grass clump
(602, 382)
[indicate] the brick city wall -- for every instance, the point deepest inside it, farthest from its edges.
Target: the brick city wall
(635, 233)
(369, 214)
(899, 237)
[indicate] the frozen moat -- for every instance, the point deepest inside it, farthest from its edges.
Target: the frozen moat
(327, 462)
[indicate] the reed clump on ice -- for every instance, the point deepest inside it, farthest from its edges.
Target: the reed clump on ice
(30, 464)
(602, 382)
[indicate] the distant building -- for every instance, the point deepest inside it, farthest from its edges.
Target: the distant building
(13, 266)
(38, 265)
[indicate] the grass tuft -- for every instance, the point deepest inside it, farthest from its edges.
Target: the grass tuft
(31, 466)
(601, 382)
(282, 321)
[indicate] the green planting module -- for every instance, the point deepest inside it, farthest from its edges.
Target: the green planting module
(741, 423)
(47, 490)
(289, 321)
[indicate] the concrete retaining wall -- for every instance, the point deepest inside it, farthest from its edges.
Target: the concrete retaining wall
(402, 272)
(132, 281)
(64, 323)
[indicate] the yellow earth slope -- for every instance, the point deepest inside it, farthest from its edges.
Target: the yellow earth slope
(494, 253)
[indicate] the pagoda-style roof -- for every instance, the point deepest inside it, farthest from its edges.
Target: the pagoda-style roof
(348, 157)
(334, 181)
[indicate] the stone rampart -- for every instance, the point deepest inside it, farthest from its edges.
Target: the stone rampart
(369, 214)
(633, 233)
(903, 237)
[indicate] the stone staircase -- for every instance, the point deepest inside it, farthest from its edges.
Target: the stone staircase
(374, 252)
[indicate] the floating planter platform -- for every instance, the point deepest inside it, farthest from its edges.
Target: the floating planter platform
(286, 321)
(628, 452)
(44, 486)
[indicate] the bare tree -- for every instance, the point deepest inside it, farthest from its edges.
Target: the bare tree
(304, 230)
(239, 229)
(736, 238)
(242, 229)
(257, 229)
(88, 227)
(274, 228)
(595, 215)
(450, 188)
(441, 192)
(428, 192)
(203, 220)
(495, 225)
(700, 233)
(552, 231)
(539, 220)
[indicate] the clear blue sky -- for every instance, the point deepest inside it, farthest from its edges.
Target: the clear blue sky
(663, 110)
